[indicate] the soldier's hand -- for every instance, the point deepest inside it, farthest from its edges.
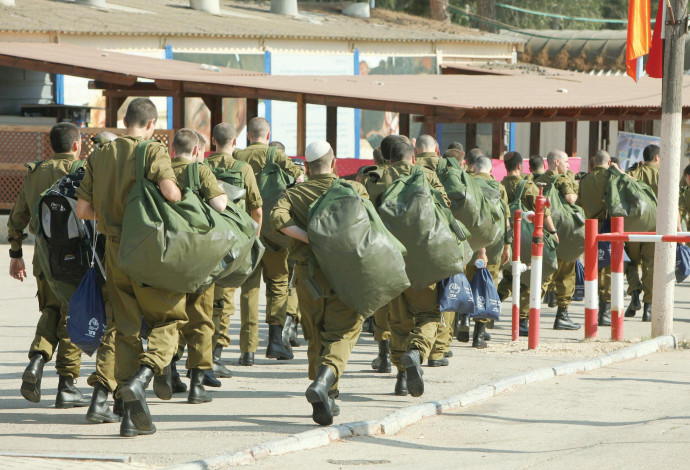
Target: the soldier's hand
(482, 256)
(558, 240)
(17, 269)
(505, 256)
(299, 179)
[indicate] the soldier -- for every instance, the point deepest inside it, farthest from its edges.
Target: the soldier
(564, 278)
(273, 265)
(331, 327)
(642, 254)
(591, 198)
(103, 194)
(426, 152)
(471, 158)
(51, 330)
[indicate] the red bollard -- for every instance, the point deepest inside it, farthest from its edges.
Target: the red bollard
(591, 278)
(536, 273)
(517, 238)
(617, 281)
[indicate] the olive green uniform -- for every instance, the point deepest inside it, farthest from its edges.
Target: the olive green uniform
(684, 204)
(427, 159)
(564, 278)
(591, 198)
(110, 175)
(330, 327)
(642, 254)
(51, 330)
(414, 314)
(273, 266)
(197, 333)
(224, 297)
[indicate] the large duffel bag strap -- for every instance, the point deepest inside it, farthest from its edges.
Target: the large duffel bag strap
(140, 155)
(76, 166)
(193, 177)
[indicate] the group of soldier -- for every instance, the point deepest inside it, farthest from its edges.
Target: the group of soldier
(410, 330)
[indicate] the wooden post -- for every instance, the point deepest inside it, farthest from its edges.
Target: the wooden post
(332, 127)
(404, 124)
(639, 127)
(470, 136)
(178, 111)
(534, 138)
(215, 105)
(605, 135)
(112, 106)
(593, 138)
(498, 145)
(430, 126)
(252, 111)
(301, 125)
(571, 138)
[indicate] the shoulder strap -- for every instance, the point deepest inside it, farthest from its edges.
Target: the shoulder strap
(270, 155)
(193, 176)
(140, 154)
(453, 163)
(416, 169)
(76, 166)
(237, 166)
(520, 189)
(554, 179)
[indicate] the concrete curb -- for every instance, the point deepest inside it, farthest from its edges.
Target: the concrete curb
(404, 417)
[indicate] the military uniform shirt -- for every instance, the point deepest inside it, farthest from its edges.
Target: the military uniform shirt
(591, 194)
(564, 185)
(36, 181)
(293, 209)
(401, 168)
(209, 184)
(648, 174)
(255, 155)
(427, 159)
(113, 167)
(529, 195)
(224, 160)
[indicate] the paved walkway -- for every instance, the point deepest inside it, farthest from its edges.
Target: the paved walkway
(260, 403)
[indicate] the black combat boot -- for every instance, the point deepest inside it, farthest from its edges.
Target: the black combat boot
(99, 410)
(524, 327)
(634, 304)
(647, 312)
(412, 362)
(448, 353)
(401, 384)
(437, 362)
(368, 325)
(219, 370)
(563, 321)
(605, 314)
(478, 336)
(136, 412)
(382, 363)
(335, 409)
(178, 386)
(69, 396)
(551, 299)
(118, 406)
(463, 329)
(317, 395)
(163, 384)
(31, 380)
(210, 379)
(276, 349)
(487, 336)
(246, 359)
(294, 342)
(197, 392)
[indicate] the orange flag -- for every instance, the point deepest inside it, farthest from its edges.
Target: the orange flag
(639, 36)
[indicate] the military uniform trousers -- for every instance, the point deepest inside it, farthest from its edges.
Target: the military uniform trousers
(525, 294)
(163, 310)
(505, 287)
(413, 321)
(105, 355)
(641, 255)
(564, 281)
(51, 330)
(292, 302)
(330, 327)
(197, 333)
(444, 336)
(275, 274)
(223, 309)
(381, 328)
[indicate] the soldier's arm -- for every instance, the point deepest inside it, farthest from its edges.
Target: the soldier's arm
(286, 164)
(361, 190)
(253, 198)
(160, 172)
(567, 190)
(85, 196)
(211, 190)
(282, 220)
(436, 184)
(18, 220)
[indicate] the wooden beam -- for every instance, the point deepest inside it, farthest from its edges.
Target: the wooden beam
(252, 111)
(332, 127)
(65, 69)
(571, 138)
(498, 145)
(112, 106)
(534, 138)
(593, 137)
(301, 125)
(470, 136)
(404, 120)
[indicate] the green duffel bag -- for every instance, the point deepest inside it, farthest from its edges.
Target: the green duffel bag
(273, 182)
(569, 220)
(549, 256)
(469, 205)
(417, 215)
(493, 208)
(631, 199)
(360, 258)
(232, 181)
(172, 246)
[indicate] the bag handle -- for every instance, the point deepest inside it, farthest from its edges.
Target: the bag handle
(140, 154)
(520, 189)
(193, 179)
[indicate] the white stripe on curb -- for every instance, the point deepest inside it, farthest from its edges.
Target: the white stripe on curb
(404, 417)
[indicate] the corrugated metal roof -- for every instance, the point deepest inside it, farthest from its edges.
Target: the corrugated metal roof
(240, 20)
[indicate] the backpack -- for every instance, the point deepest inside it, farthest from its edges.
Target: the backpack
(549, 257)
(360, 258)
(490, 189)
(63, 241)
(232, 181)
(569, 220)
(417, 215)
(631, 199)
(273, 182)
(469, 205)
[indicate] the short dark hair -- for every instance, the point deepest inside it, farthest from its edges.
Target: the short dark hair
(401, 151)
(139, 112)
(278, 145)
(686, 171)
(615, 160)
(387, 144)
(512, 160)
(62, 136)
(473, 155)
(536, 162)
(184, 142)
(650, 151)
(258, 128)
(456, 146)
(459, 155)
(378, 157)
(224, 133)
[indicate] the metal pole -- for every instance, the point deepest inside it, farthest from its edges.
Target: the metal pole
(667, 213)
(517, 230)
(591, 278)
(617, 281)
(535, 275)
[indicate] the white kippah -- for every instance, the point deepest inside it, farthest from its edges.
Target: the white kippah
(316, 150)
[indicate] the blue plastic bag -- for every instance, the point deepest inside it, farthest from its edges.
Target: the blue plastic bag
(487, 304)
(579, 293)
(455, 295)
(682, 262)
(605, 248)
(86, 314)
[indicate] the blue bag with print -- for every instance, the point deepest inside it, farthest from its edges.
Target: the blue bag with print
(579, 293)
(682, 262)
(455, 294)
(86, 314)
(487, 304)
